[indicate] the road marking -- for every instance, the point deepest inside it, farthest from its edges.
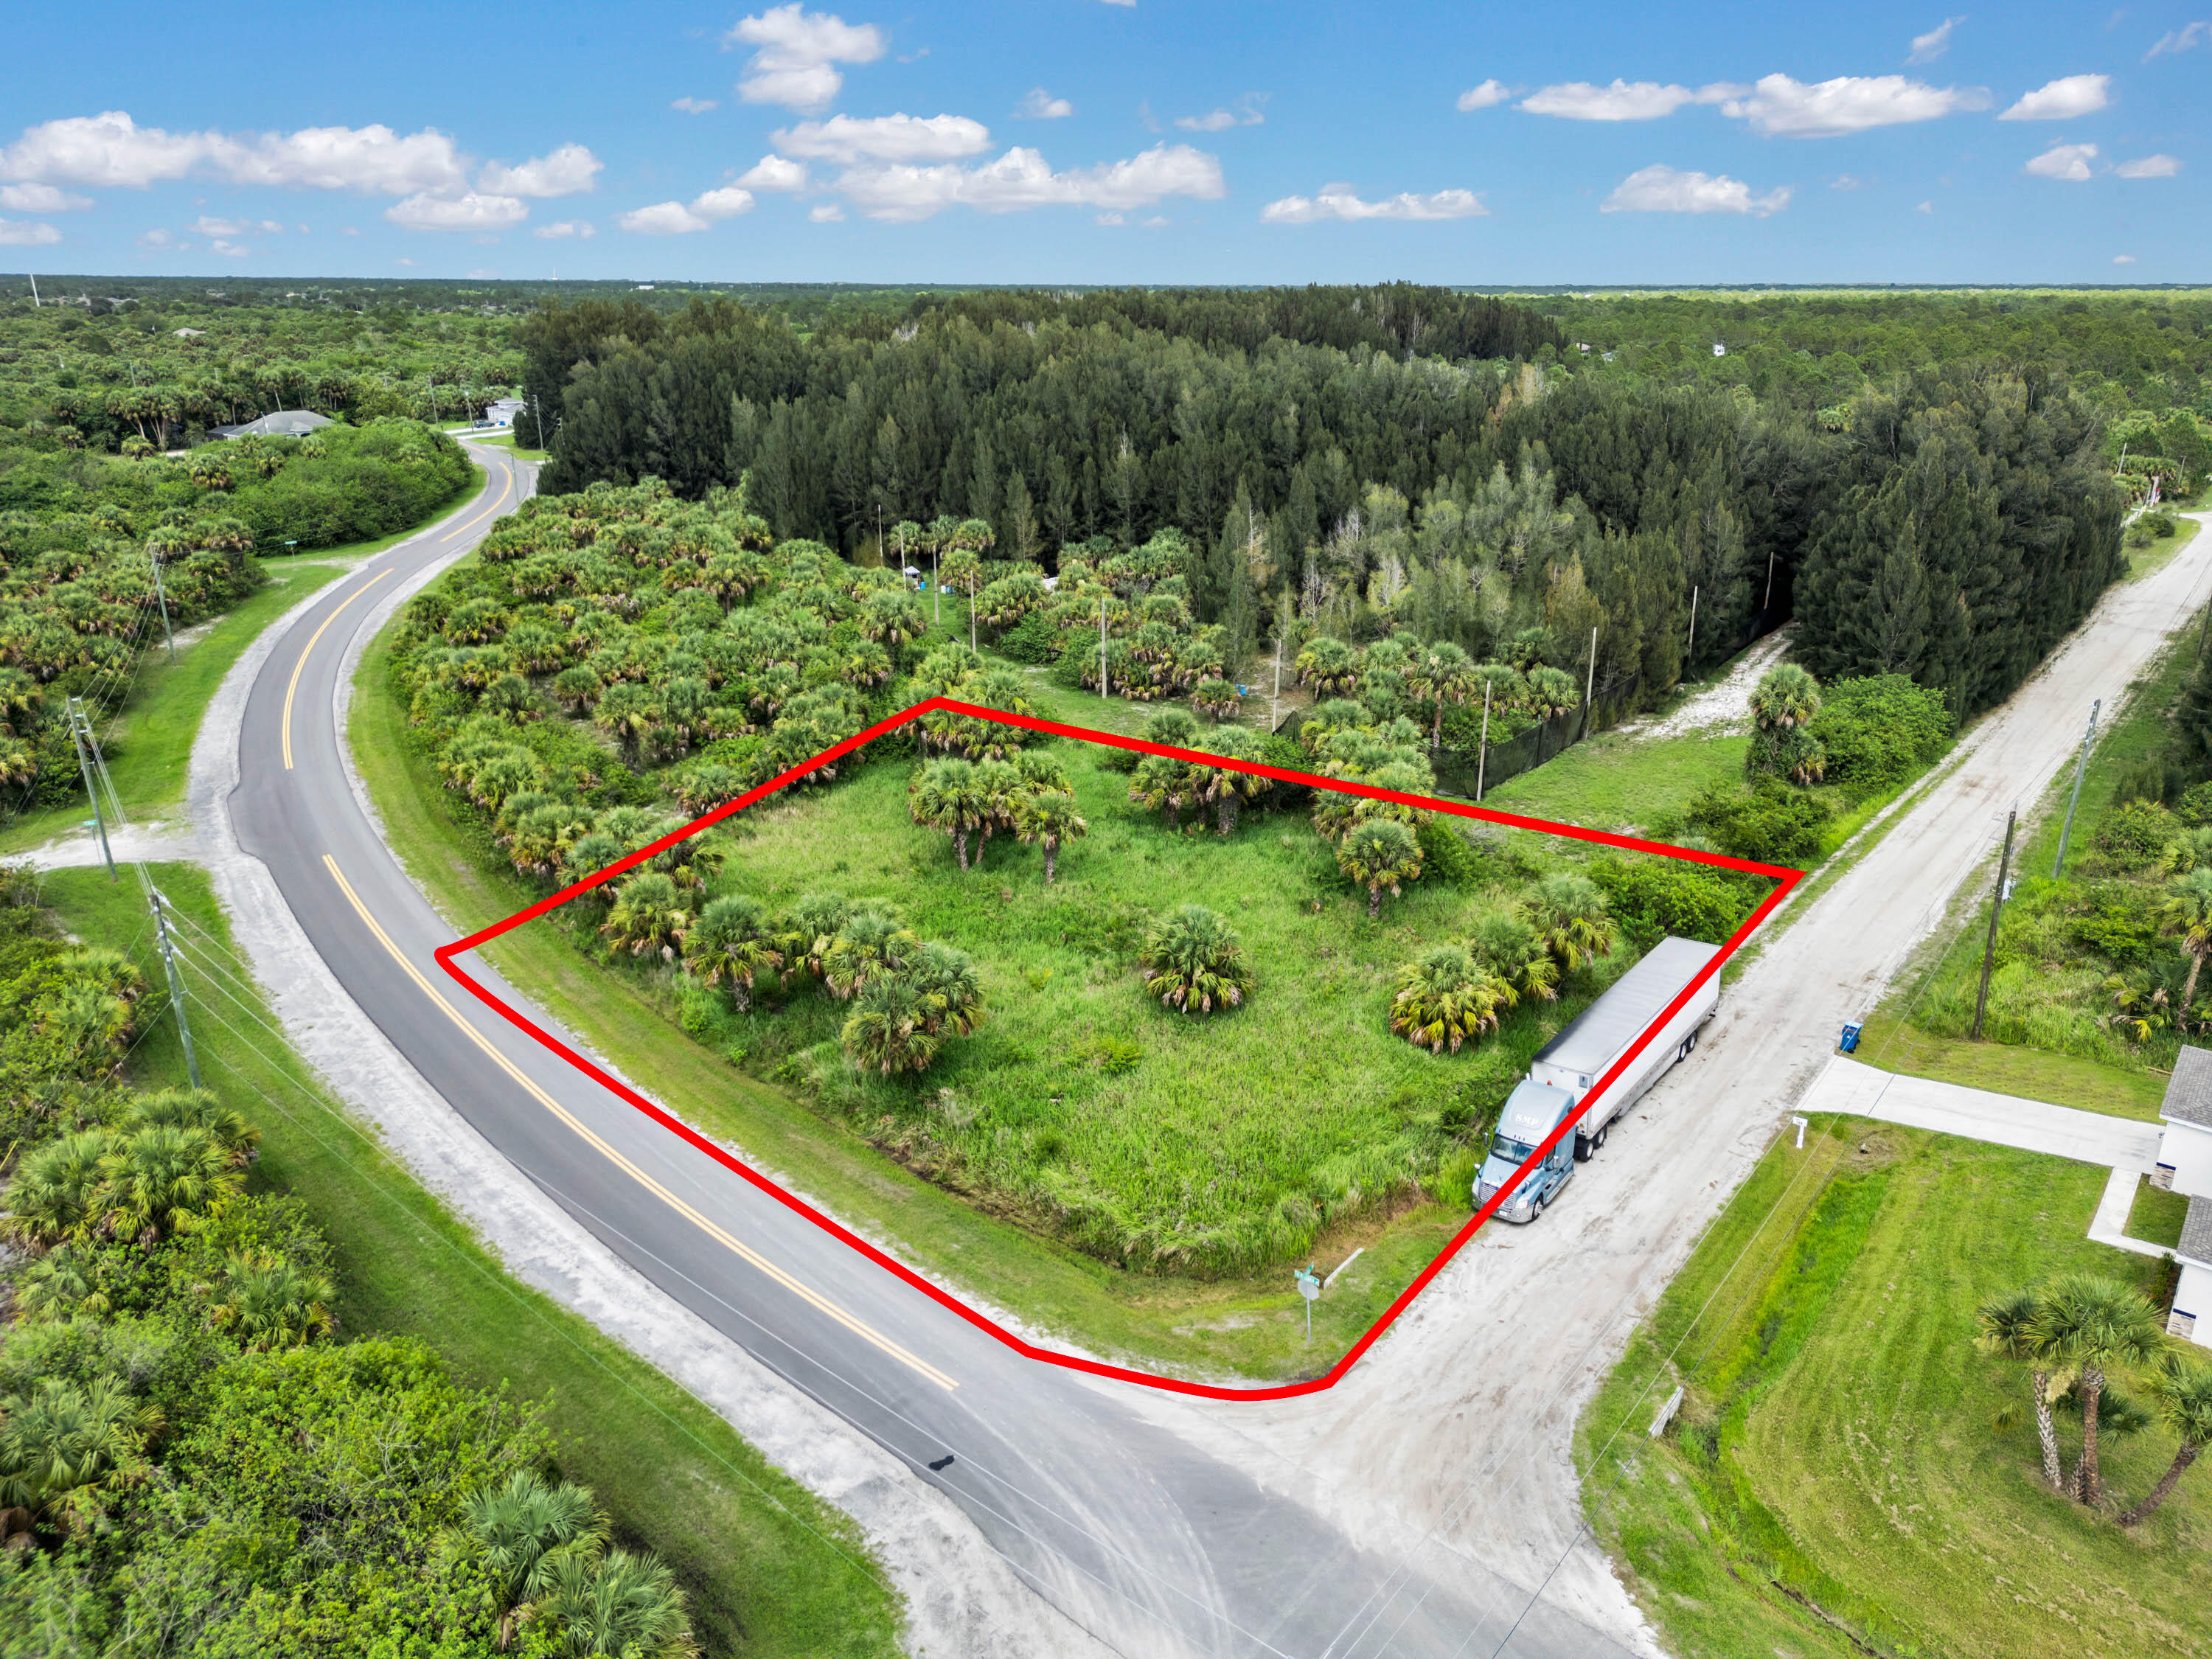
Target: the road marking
(291, 689)
(744, 1252)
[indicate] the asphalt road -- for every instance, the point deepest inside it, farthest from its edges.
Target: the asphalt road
(1134, 1529)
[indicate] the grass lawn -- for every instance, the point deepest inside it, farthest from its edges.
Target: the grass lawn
(1357, 1088)
(2011, 1069)
(505, 440)
(1621, 782)
(148, 741)
(1836, 1483)
(2143, 560)
(2156, 1217)
(770, 1571)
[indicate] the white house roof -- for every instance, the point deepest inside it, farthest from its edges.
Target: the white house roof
(2197, 1231)
(281, 424)
(2188, 1092)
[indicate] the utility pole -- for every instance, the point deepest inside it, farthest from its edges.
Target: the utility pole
(1769, 601)
(79, 728)
(34, 290)
(2074, 800)
(971, 616)
(1482, 753)
(1589, 686)
(176, 986)
(1275, 697)
(1996, 909)
(154, 559)
(1690, 655)
(936, 587)
(1103, 696)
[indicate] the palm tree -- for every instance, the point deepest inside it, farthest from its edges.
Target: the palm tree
(1173, 727)
(2097, 1324)
(267, 1302)
(196, 1108)
(889, 1030)
(61, 1445)
(1445, 998)
(55, 1193)
(1226, 787)
(950, 988)
(1442, 673)
(1378, 853)
(2190, 850)
(2181, 1390)
(1551, 692)
(1163, 784)
(113, 972)
(1503, 942)
(1193, 960)
(946, 796)
(734, 939)
(815, 922)
(872, 944)
(1041, 770)
(154, 1177)
(55, 1286)
(1215, 699)
(2187, 912)
(1328, 666)
(1048, 818)
(1571, 920)
(621, 1605)
(1786, 696)
(520, 1528)
(649, 914)
(2008, 1329)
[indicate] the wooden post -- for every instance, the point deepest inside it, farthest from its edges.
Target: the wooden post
(1690, 656)
(1590, 687)
(1996, 909)
(1103, 696)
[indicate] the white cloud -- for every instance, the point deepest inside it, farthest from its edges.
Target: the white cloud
(2185, 39)
(1040, 106)
(798, 52)
(2069, 162)
(2123, 258)
(1660, 189)
(726, 203)
(1338, 201)
(774, 172)
(567, 171)
(1155, 221)
(1779, 108)
(206, 226)
(1846, 181)
(1928, 208)
(351, 230)
(111, 150)
(563, 230)
(229, 249)
(1122, 3)
(1927, 48)
(403, 261)
(1244, 113)
(661, 219)
(828, 213)
(2062, 99)
(484, 274)
(852, 138)
(155, 240)
(27, 233)
(42, 198)
(1022, 179)
(691, 105)
(1108, 219)
(2150, 167)
(1624, 100)
(1482, 97)
(471, 211)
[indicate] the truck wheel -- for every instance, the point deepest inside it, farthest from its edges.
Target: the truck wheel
(1601, 1134)
(1583, 1147)
(1683, 1053)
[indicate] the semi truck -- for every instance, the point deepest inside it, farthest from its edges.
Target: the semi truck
(1568, 1067)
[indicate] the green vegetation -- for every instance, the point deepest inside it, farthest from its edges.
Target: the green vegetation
(1819, 1489)
(2156, 1217)
(500, 1382)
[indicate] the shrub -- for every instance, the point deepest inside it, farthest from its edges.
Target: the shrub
(1033, 640)
(1880, 730)
(1770, 823)
(1657, 896)
(1446, 855)
(2133, 834)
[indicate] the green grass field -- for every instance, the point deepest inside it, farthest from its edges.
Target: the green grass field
(149, 740)
(2156, 1217)
(770, 1571)
(1622, 782)
(1836, 1483)
(1237, 1323)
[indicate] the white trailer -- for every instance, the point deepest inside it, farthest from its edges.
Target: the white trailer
(1568, 1067)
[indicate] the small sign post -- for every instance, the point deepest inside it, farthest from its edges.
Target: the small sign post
(1309, 1287)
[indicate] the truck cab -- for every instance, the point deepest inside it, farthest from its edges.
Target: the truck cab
(1532, 1112)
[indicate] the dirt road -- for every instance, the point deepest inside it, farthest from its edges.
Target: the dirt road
(1452, 1439)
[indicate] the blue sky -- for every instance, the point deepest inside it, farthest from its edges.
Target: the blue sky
(1089, 141)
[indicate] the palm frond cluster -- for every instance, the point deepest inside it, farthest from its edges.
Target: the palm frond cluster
(1457, 994)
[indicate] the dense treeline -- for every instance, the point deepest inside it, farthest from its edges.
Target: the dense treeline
(193, 1457)
(1324, 476)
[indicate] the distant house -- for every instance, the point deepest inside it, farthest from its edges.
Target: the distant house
(2184, 1165)
(502, 411)
(282, 423)
(1719, 350)
(188, 333)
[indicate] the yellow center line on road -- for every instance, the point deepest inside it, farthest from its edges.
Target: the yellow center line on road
(292, 687)
(744, 1252)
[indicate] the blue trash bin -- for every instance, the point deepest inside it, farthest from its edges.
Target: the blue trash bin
(1850, 1039)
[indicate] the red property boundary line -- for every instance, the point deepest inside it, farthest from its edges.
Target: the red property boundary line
(1785, 881)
